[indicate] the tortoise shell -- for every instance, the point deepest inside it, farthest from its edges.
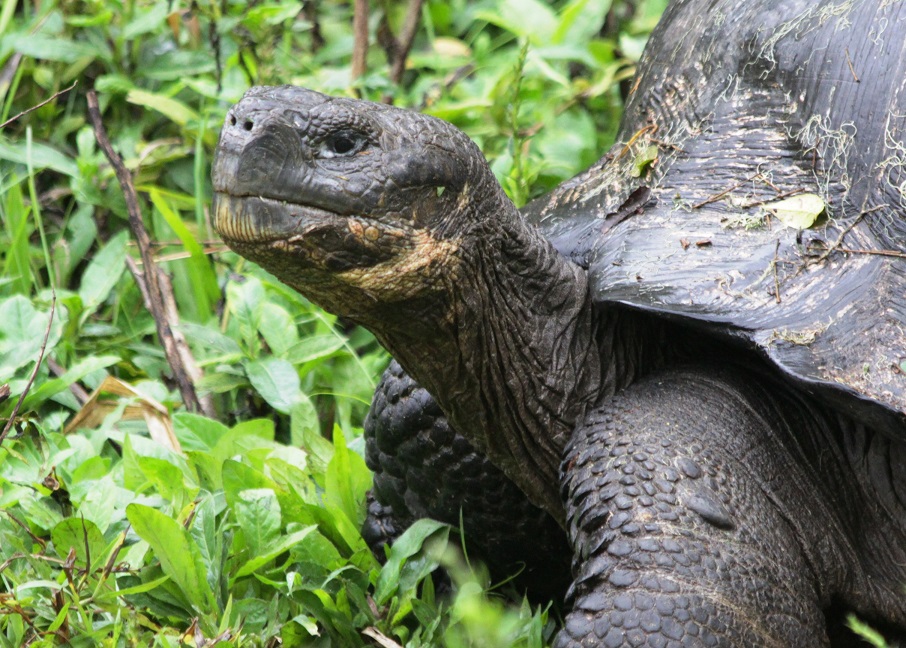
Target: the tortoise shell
(737, 107)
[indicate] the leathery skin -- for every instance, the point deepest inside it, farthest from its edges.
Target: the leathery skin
(423, 468)
(681, 535)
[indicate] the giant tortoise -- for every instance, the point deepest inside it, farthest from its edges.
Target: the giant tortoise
(695, 363)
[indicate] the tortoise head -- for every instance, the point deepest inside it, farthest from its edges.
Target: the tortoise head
(350, 202)
(394, 220)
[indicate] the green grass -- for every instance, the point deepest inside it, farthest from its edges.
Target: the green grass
(127, 521)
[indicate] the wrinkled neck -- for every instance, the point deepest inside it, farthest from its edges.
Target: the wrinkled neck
(514, 359)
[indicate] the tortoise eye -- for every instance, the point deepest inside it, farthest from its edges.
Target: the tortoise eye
(343, 142)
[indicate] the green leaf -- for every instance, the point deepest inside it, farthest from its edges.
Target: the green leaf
(278, 328)
(312, 347)
(103, 273)
(238, 477)
(179, 556)
(277, 381)
(146, 20)
(209, 337)
(580, 20)
(246, 301)
(54, 48)
(22, 329)
(202, 279)
(130, 591)
(260, 428)
(73, 533)
(348, 480)
(281, 545)
(530, 19)
(403, 549)
(865, 631)
(168, 480)
(42, 157)
(174, 110)
(799, 212)
(74, 374)
(196, 432)
(305, 432)
(643, 160)
(113, 84)
(258, 513)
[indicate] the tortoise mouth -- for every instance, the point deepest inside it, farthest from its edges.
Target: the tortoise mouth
(262, 221)
(275, 232)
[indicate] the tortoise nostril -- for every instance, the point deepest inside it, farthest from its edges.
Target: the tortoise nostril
(232, 120)
(247, 124)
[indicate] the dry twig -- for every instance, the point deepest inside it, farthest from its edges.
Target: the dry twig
(887, 253)
(850, 63)
(718, 196)
(360, 35)
(156, 291)
(43, 103)
(405, 40)
(835, 246)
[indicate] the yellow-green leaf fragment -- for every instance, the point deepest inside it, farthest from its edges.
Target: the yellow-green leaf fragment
(175, 110)
(799, 212)
(643, 160)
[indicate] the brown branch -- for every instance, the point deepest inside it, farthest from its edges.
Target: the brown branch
(846, 230)
(80, 394)
(360, 35)
(650, 128)
(850, 63)
(776, 276)
(43, 103)
(780, 196)
(887, 253)
(434, 93)
(27, 529)
(157, 293)
(405, 40)
(718, 196)
(34, 373)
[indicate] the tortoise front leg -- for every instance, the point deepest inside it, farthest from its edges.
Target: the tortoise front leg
(686, 514)
(424, 468)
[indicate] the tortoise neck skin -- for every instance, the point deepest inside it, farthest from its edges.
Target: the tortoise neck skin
(394, 220)
(512, 356)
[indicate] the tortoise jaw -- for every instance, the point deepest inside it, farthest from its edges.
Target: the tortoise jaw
(261, 220)
(275, 233)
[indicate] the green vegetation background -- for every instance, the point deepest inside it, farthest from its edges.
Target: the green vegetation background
(124, 519)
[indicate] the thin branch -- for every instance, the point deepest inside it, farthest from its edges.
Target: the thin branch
(34, 373)
(650, 128)
(887, 253)
(850, 63)
(27, 529)
(360, 35)
(780, 196)
(718, 196)
(80, 394)
(405, 40)
(846, 230)
(776, 276)
(43, 103)
(157, 293)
